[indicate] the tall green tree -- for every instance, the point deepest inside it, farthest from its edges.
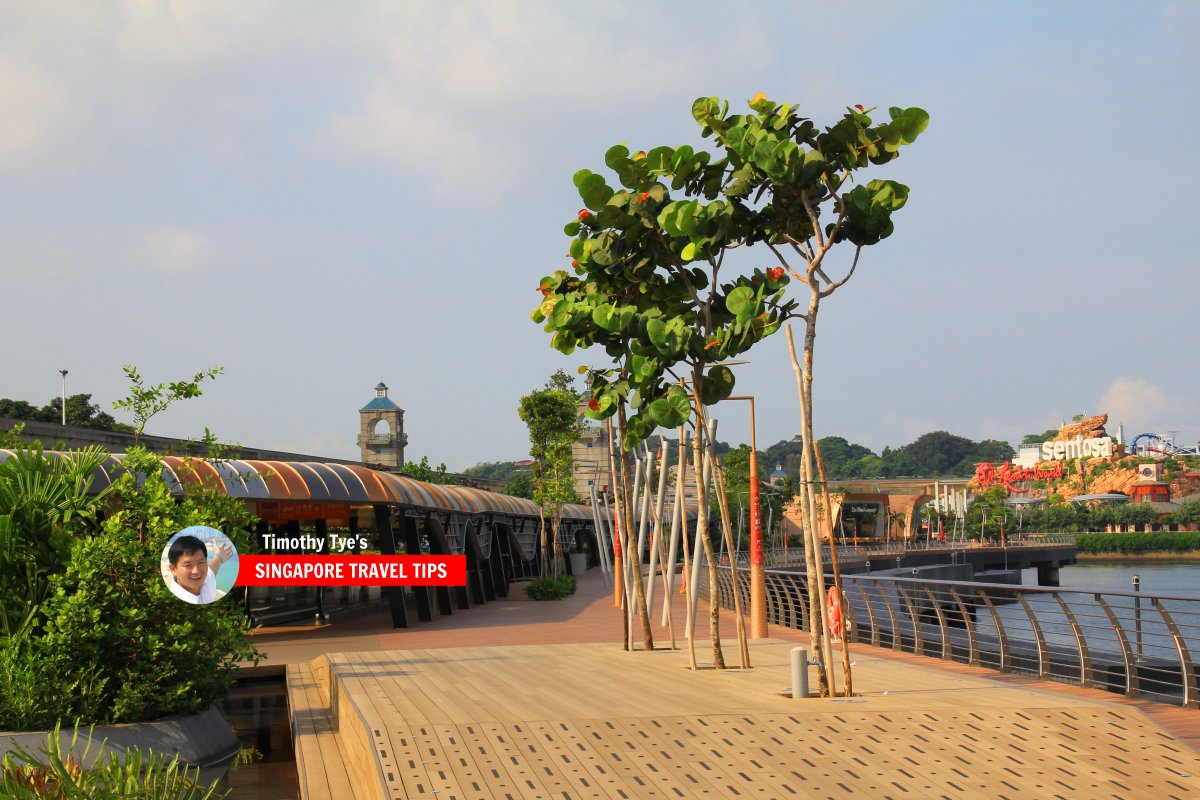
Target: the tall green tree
(145, 402)
(424, 471)
(81, 411)
(650, 285)
(650, 280)
(552, 416)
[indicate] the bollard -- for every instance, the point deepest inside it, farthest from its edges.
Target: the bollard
(799, 672)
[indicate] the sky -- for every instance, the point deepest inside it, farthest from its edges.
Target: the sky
(319, 196)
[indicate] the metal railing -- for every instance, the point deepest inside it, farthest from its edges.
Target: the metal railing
(849, 552)
(1139, 645)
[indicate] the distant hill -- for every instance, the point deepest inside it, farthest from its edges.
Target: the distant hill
(935, 454)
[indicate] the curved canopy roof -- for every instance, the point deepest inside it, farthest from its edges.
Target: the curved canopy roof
(316, 482)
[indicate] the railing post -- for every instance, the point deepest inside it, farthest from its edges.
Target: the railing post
(1187, 671)
(1131, 675)
(1085, 660)
(1137, 614)
(969, 623)
(937, 608)
(870, 614)
(793, 618)
(1001, 634)
(1038, 636)
(918, 640)
(887, 601)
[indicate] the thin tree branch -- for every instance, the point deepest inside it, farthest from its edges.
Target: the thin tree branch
(797, 275)
(833, 286)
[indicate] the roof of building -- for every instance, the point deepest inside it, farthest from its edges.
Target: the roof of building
(380, 404)
(1111, 497)
(318, 482)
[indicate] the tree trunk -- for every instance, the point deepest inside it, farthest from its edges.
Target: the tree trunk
(544, 548)
(812, 536)
(698, 449)
(556, 527)
(847, 677)
(727, 532)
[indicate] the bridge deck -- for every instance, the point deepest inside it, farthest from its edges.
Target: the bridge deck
(591, 721)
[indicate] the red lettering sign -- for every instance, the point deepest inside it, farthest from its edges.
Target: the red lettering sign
(1007, 475)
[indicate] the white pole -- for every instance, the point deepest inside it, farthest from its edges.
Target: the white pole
(605, 567)
(656, 534)
(64, 397)
(698, 549)
(678, 510)
(644, 508)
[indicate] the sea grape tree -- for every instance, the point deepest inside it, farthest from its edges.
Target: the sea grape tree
(653, 276)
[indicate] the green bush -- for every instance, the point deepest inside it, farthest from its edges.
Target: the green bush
(110, 643)
(548, 588)
(51, 775)
(1159, 542)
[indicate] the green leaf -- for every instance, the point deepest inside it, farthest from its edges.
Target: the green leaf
(562, 314)
(615, 154)
(613, 319)
(689, 252)
(594, 191)
(718, 384)
(563, 342)
(741, 302)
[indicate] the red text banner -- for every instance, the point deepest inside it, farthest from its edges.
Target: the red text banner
(352, 570)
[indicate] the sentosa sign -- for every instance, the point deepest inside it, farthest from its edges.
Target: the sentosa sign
(1079, 447)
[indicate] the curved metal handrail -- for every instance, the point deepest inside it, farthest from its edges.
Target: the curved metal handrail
(1134, 643)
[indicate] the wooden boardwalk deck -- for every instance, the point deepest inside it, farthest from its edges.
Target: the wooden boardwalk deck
(513, 699)
(591, 721)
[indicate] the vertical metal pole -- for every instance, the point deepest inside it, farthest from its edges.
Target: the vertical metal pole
(657, 527)
(678, 509)
(758, 587)
(64, 397)
(799, 673)
(1137, 614)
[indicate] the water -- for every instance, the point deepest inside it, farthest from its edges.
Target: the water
(1117, 576)
(257, 710)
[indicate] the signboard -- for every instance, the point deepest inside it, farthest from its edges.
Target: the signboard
(335, 514)
(1079, 447)
(1007, 475)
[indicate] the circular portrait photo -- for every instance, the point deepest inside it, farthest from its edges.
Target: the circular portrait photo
(199, 564)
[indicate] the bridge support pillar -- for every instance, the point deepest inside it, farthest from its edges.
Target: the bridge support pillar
(1047, 575)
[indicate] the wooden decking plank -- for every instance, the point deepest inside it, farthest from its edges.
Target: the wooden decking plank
(739, 779)
(436, 699)
(578, 761)
(588, 721)
(314, 738)
(512, 757)
(394, 745)
(489, 762)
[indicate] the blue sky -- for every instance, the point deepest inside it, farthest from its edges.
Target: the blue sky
(317, 196)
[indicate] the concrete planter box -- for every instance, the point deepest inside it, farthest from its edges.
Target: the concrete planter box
(579, 564)
(200, 740)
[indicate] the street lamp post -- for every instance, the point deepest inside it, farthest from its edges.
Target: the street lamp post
(64, 397)
(758, 587)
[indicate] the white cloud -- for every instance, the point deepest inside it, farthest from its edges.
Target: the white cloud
(451, 150)
(1145, 407)
(32, 105)
(175, 250)
(195, 33)
(465, 93)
